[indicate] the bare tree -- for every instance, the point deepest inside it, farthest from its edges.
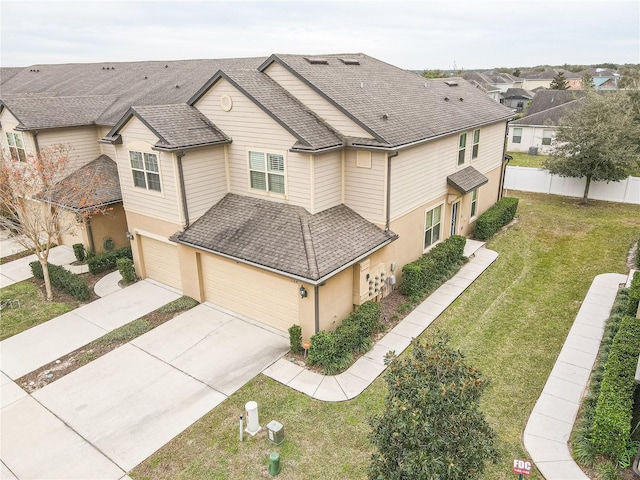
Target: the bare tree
(32, 196)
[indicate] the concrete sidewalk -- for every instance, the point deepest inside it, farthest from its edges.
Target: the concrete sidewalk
(367, 368)
(551, 421)
(19, 270)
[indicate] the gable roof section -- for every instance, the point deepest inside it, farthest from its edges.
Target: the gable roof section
(546, 99)
(177, 127)
(41, 112)
(518, 93)
(285, 238)
(466, 180)
(310, 130)
(99, 178)
(549, 117)
(396, 106)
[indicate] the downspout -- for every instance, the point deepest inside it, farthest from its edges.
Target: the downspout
(92, 246)
(35, 142)
(503, 163)
(183, 193)
(316, 291)
(388, 213)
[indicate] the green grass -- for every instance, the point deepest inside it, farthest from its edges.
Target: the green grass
(28, 308)
(511, 323)
(521, 159)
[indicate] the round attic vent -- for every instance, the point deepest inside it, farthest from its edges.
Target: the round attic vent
(226, 103)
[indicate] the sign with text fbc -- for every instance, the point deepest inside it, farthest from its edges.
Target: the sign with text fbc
(522, 467)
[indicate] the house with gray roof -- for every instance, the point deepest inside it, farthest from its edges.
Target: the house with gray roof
(292, 188)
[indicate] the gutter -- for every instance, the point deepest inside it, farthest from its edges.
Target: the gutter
(316, 291)
(388, 206)
(316, 283)
(183, 193)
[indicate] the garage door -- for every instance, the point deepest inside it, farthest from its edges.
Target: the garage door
(160, 261)
(254, 293)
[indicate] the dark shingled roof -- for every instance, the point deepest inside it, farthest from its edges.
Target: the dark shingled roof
(396, 106)
(546, 99)
(93, 185)
(177, 126)
(38, 112)
(550, 117)
(285, 237)
(466, 180)
(518, 93)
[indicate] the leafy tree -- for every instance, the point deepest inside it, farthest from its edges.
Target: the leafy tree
(30, 199)
(587, 81)
(517, 72)
(434, 74)
(559, 82)
(630, 77)
(432, 427)
(599, 140)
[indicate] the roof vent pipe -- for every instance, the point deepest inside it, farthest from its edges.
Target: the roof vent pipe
(361, 84)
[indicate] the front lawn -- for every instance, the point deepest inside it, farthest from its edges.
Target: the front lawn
(24, 307)
(511, 323)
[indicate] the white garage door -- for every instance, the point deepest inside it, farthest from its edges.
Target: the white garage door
(160, 261)
(254, 293)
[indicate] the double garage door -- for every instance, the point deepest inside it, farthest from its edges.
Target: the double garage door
(254, 293)
(161, 261)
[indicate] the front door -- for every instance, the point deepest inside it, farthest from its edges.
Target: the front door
(454, 217)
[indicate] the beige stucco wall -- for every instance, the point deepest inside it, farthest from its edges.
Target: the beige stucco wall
(112, 223)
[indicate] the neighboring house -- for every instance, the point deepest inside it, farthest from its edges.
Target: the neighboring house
(604, 78)
(533, 80)
(289, 189)
(494, 84)
(517, 99)
(483, 83)
(538, 127)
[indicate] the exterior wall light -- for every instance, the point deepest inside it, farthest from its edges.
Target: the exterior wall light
(303, 292)
(129, 235)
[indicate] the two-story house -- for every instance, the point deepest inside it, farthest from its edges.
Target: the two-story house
(290, 189)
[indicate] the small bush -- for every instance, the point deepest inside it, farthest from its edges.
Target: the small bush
(324, 351)
(496, 217)
(79, 252)
(63, 280)
(433, 268)
(295, 338)
(103, 262)
(125, 267)
(178, 305)
(634, 294)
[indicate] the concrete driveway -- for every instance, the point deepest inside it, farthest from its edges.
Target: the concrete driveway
(130, 402)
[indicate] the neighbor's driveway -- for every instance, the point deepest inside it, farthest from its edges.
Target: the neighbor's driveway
(130, 402)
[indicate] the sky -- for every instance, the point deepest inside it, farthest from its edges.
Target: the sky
(427, 34)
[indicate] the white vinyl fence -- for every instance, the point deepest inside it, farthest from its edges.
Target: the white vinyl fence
(539, 180)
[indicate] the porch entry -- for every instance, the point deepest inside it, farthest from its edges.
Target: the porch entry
(455, 206)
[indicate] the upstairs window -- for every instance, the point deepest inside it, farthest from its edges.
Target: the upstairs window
(145, 170)
(16, 146)
(517, 135)
(266, 171)
(433, 219)
(547, 135)
(474, 203)
(476, 143)
(462, 147)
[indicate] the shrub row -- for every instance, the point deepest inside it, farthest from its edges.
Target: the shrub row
(63, 280)
(634, 294)
(496, 217)
(612, 422)
(433, 268)
(334, 351)
(107, 260)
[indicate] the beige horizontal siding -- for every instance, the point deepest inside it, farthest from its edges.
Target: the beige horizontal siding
(204, 179)
(82, 140)
(327, 180)
(8, 123)
(251, 128)
(106, 148)
(490, 147)
(315, 101)
(365, 187)
(164, 205)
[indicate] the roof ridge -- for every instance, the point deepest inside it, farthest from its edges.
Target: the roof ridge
(309, 249)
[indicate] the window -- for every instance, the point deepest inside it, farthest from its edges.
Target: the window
(432, 226)
(546, 137)
(474, 203)
(146, 171)
(476, 142)
(462, 146)
(517, 135)
(16, 146)
(266, 171)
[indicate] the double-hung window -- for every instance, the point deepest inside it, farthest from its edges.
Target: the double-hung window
(547, 135)
(433, 219)
(16, 146)
(146, 170)
(476, 143)
(462, 147)
(266, 171)
(474, 203)
(517, 135)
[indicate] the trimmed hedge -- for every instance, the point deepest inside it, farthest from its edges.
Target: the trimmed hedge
(107, 261)
(63, 280)
(634, 294)
(612, 422)
(127, 272)
(295, 338)
(334, 351)
(433, 268)
(496, 217)
(79, 251)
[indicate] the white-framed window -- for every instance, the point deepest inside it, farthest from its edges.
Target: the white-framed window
(476, 143)
(16, 146)
(474, 203)
(547, 135)
(145, 170)
(432, 226)
(517, 135)
(462, 147)
(266, 171)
